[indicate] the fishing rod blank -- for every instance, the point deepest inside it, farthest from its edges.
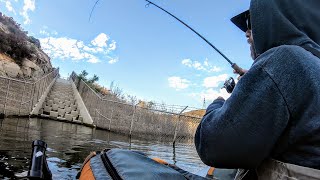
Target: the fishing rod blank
(237, 69)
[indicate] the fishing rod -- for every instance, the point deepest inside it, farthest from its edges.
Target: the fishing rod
(229, 84)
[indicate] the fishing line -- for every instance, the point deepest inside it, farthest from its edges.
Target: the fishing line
(94, 6)
(233, 65)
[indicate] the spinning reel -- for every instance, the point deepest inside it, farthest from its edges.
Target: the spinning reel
(229, 85)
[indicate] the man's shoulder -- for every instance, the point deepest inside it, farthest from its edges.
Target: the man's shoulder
(284, 56)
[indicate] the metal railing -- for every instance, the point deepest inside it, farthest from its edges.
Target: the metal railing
(17, 98)
(158, 122)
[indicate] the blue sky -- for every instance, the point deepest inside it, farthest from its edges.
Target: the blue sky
(143, 50)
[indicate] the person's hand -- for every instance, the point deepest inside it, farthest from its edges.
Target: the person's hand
(239, 77)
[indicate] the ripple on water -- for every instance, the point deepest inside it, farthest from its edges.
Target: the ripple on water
(69, 145)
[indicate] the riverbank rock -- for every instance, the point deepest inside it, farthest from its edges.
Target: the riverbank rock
(9, 68)
(29, 70)
(21, 55)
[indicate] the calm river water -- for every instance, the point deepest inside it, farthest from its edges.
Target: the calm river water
(69, 144)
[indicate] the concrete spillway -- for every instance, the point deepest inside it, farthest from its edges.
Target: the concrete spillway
(61, 104)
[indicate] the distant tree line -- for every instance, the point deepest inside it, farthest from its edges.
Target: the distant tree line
(114, 92)
(92, 82)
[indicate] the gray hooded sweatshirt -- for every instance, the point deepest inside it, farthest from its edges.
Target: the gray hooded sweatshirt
(274, 111)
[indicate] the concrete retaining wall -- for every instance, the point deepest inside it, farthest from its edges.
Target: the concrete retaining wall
(136, 121)
(18, 98)
(83, 110)
(39, 105)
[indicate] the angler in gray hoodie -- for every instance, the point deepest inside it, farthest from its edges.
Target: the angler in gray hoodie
(274, 111)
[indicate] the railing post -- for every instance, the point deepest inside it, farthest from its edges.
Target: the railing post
(132, 119)
(5, 103)
(36, 89)
(24, 88)
(42, 87)
(100, 109)
(176, 127)
(111, 119)
(97, 125)
(31, 96)
(89, 101)
(95, 107)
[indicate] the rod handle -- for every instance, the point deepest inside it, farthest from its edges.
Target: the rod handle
(238, 69)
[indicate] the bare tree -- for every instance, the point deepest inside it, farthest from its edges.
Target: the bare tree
(116, 91)
(132, 99)
(151, 104)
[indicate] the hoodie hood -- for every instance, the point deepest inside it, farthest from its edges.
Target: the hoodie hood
(285, 22)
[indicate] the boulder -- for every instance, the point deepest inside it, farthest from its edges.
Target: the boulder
(2, 73)
(29, 64)
(26, 71)
(37, 74)
(12, 69)
(1, 64)
(4, 28)
(33, 57)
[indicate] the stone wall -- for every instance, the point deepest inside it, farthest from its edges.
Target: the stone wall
(134, 120)
(17, 98)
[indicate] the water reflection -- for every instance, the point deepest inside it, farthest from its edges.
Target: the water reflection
(69, 144)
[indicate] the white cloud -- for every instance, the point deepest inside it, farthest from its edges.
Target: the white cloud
(206, 63)
(178, 83)
(54, 32)
(214, 81)
(93, 60)
(215, 69)
(187, 62)
(198, 66)
(113, 46)
(73, 49)
(101, 40)
(29, 5)
(44, 32)
(89, 49)
(9, 7)
(112, 61)
(210, 94)
(205, 66)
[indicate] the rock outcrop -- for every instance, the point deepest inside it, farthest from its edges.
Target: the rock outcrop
(28, 61)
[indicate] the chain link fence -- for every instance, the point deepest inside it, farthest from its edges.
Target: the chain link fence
(158, 122)
(17, 98)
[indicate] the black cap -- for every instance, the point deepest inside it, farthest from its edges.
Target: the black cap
(241, 20)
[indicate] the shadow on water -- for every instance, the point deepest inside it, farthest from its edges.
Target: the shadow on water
(69, 144)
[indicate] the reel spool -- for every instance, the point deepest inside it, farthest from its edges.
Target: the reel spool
(229, 85)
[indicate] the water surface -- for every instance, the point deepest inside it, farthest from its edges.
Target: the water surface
(69, 144)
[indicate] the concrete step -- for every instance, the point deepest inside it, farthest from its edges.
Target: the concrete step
(61, 103)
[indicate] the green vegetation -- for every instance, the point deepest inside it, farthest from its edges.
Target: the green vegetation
(92, 82)
(116, 93)
(15, 42)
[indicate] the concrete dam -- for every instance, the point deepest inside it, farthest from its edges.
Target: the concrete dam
(72, 100)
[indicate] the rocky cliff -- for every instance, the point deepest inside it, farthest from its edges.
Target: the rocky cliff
(21, 56)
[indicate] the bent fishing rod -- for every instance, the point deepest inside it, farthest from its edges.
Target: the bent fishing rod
(237, 69)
